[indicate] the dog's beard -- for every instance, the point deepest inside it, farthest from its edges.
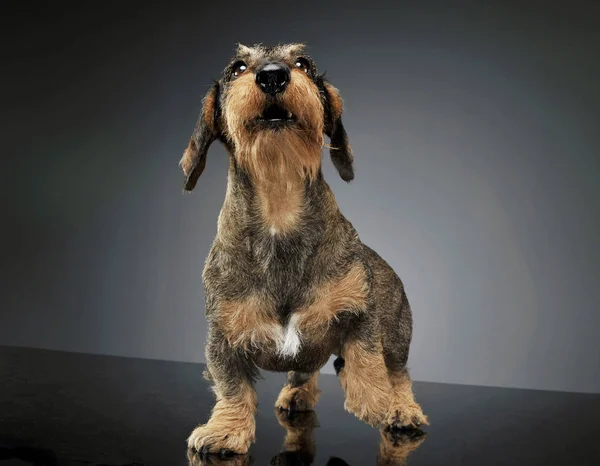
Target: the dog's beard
(276, 156)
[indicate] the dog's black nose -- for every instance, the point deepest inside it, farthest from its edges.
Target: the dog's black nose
(273, 78)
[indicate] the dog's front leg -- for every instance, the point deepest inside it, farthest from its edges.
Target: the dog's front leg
(231, 427)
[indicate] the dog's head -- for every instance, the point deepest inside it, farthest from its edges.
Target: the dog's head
(271, 109)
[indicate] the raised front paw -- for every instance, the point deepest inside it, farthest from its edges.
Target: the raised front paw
(211, 438)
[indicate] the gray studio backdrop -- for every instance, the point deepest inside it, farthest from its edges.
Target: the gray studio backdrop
(475, 132)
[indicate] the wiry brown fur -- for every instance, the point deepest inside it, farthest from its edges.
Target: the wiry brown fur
(366, 382)
(346, 294)
(281, 204)
(288, 281)
(248, 323)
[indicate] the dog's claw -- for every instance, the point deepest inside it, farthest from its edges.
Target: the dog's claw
(292, 405)
(205, 451)
(404, 433)
(225, 453)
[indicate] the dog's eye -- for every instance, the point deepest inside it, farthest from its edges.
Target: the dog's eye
(303, 64)
(239, 68)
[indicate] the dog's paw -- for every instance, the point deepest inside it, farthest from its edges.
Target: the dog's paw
(406, 417)
(296, 419)
(297, 399)
(207, 439)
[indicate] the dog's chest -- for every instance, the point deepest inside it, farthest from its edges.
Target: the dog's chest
(281, 263)
(278, 251)
(287, 315)
(294, 347)
(288, 340)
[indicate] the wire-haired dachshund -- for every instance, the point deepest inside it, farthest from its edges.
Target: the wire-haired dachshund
(288, 281)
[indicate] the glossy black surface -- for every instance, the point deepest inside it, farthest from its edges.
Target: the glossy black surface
(75, 409)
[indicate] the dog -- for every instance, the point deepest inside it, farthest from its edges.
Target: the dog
(287, 281)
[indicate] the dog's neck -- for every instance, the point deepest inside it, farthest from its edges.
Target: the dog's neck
(281, 203)
(277, 207)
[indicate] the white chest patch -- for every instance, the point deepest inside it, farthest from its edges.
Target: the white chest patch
(289, 341)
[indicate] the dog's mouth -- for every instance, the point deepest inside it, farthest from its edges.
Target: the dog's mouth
(274, 116)
(275, 112)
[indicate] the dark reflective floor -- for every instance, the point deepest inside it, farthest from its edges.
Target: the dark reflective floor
(73, 409)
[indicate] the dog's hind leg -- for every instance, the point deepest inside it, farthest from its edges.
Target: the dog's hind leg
(300, 392)
(404, 411)
(365, 380)
(374, 393)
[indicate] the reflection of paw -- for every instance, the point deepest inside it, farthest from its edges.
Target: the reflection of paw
(409, 416)
(299, 444)
(303, 398)
(197, 459)
(397, 443)
(404, 435)
(297, 419)
(207, 439)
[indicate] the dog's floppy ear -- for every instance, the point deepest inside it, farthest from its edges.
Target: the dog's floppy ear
(205, 133)
(340, 150)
